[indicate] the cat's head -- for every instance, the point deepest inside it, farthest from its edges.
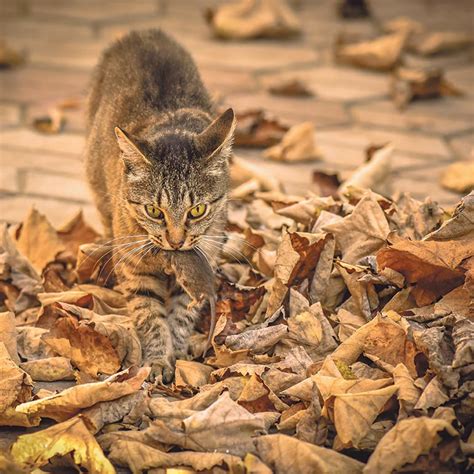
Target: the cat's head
(176, 182)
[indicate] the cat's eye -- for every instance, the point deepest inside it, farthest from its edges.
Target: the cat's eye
(154, 212)
(197, 211)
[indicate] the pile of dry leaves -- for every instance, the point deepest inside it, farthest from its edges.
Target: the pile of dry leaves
(344, 344)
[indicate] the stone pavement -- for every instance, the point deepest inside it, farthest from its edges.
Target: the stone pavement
(63, 38)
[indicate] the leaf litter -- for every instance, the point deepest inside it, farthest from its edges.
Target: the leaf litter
(343, 343)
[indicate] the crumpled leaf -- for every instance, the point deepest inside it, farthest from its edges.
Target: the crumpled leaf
(407, 440)
(429, 44)
(89, 350)
(381, 54)
(374, 175)
(8, 335)
(291, 88)
(433, 267)
(38, 241)
(256, 129)
(354, 413)
(72, 436)
(77, 232)
(245, 19)
(413, 84)
(69, 402)
(458, 177)
(298, 144)
(49, 369)
(191, 373)
(9, 56)
(362, 232)
(285, 454)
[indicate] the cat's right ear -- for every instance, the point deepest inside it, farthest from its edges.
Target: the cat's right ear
(133, 159)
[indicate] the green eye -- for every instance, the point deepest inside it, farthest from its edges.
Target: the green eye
(197, 211)
(153, 211)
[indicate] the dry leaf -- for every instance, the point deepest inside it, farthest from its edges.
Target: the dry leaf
(381, 54)
(362, 232)
(256, 129)
(373, 175)
(69, 402)
(36, 449)
(433, 267)
(327, 183)
(407, 440)
(9, 57)
(51, 123)
(49, 369)
(298, 144)
(8, 335)
(77, 232)
(354, 413)
(245, 19)
(191, 373)
(413, 84)
(284, 454)
(429, 44)
(291, 88)
(38, 240)
(458, 177)
(89, 350)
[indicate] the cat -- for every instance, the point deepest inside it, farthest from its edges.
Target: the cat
(157, 164)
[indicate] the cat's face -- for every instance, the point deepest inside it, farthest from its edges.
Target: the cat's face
(176, 187)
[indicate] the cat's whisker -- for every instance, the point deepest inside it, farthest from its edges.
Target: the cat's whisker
(202, 253)
(236, 254)
(127, 254)
(230, 239)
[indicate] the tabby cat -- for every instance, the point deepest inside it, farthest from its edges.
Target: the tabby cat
(158, 167)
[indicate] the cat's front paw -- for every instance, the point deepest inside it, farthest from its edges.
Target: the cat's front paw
(162, 370)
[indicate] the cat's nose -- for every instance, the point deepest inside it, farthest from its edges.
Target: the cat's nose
(175, 243)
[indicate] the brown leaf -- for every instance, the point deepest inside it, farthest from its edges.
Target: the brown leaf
(36, 449)
(38, 240)
(191, 373)
(8, 335)
(381, 54)
(69, 402)
(255, 129)
(429, 44)
(257, 397)
(433, 267)
(291, 88)
(77, 232)
(458, 177)
(285, 454)
(89, 350)
(51, 123)
(354, 413)
(362, 232)
(49, 370)
(407, 440)
(9, 57)
(246, 19)
(326, 183)
(298, 144)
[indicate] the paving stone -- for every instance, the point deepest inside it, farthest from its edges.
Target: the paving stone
(361, 137)
(14, 209)
(463, 78)
(9, 115)
(37, 85)
(56, 185)
(385, 114)
(336, 82)
(292, 110)
(26, 139)
(224, 82)
(92, 10)
(463, 146)
(9, 179)
(28, 160)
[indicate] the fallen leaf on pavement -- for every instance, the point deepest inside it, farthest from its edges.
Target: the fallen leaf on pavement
(245, 19)
(9, 57)
(428, 44)
(292, 88)
(458, 177)
(381, 54)
(298, 144)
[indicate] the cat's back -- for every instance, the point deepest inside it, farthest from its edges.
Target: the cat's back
(146, 71)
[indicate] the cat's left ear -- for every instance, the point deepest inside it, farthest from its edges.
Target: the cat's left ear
(133, 158)
(217, 138)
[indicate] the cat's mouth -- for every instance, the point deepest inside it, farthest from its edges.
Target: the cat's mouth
(180, 247)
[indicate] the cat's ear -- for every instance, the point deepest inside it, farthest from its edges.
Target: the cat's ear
(132, 157)
(218, 136)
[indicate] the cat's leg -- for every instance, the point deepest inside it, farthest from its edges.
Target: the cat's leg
(181, 322)
(146, 302)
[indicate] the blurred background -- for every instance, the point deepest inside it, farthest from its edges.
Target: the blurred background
(334, 64)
